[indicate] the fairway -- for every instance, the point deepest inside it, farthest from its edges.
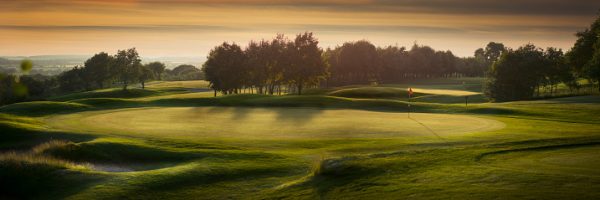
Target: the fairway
(272, 123)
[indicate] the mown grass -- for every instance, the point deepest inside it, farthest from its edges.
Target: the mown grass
(107, 93)
(547, 149)
(373, 92)
(178, 84)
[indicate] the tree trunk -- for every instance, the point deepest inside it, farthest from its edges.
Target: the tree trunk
(215, 95)
(300, 89)
(143, 85)
(279, 90)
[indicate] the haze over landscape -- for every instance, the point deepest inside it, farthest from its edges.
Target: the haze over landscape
(191, 28)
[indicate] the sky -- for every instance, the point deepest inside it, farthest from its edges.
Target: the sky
(190, 28)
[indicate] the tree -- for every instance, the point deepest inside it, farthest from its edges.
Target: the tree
(422, 59)
(258, 63)
(128, 66)
(98, 69)
(277, 61)
(516, 74)
(493, 51)
(157, 68)
(584, 57)
(184, 72)
(556, 70)
(354, 63)
(471, 66)
(393, 63)
(72, 80)
(146, 74)
(222, 68)
(307, 66)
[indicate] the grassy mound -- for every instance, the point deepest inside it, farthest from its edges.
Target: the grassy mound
(107, 93)
(40, 108)
(33, 175)
(293, 101)
(446, 99)
(35, 178)
(373, 92)
(112, 152)
(18, 133)
(109, 102)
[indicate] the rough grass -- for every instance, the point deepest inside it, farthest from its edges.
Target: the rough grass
(31, 174)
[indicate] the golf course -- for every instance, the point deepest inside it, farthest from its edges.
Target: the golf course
(174, 140)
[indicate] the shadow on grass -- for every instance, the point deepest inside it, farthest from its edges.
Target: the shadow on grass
(22, 180)
(336, 173)
(545, 145)
(16, 138)
(43, 108)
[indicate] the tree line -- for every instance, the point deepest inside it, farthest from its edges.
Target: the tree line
(363, 63)
(292, 65)
(524, 72)
(102, 69)
(270, 66)
(511, 74)
(265, 66)
(99, 71)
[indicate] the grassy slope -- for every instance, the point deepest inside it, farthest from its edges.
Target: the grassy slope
(546, 151)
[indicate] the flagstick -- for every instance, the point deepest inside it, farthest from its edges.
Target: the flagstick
(409, 95)
(408, 106)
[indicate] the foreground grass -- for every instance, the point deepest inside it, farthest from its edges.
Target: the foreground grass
(546, 150)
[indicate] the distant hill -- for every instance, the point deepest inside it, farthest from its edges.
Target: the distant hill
(49, 57)
(55, 64)
(72, 60)
(47, 60)
(4, 61)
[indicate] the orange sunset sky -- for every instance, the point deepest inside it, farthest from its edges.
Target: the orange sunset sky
(193, 27)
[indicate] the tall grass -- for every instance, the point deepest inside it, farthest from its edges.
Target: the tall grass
(36, 156)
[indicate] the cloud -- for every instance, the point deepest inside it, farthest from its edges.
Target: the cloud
(120, 28)
(300, 28)
(527, 7)
(490, 7)
(165, 27)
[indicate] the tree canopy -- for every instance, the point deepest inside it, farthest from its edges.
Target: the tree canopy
(519, 73)
(584, 57)
(157, 69)
(266, 65)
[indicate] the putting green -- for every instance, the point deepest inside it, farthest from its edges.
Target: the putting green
(269, 123)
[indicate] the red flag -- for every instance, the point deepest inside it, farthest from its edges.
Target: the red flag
(409, 92)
